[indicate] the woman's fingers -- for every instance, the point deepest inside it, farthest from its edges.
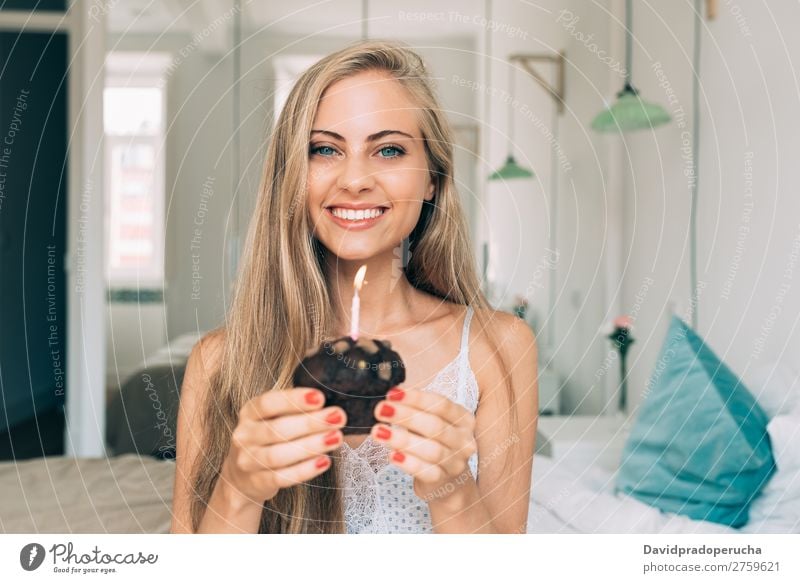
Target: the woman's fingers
(417, 467)
(282, 438)
(428, 450)
(278, 456)
(290, 427)
(278, 402)
(431, 437)
(433, 403)
(422, 423)
(301, 472)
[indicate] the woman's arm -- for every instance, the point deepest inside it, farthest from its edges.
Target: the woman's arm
(499, 501)
(432, 437)
(226, 511)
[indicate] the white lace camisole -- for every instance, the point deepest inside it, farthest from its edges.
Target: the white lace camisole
(378, 496)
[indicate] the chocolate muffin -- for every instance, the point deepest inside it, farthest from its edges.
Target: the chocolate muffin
(354, 375)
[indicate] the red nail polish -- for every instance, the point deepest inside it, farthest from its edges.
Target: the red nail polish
(383, 432)
(395, 394)
(322, 462)
(335, 417)
(398, 456)
(313, 398)
(387, 410)
(332, 437)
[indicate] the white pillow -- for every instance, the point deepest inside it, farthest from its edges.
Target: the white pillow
(777, 509)
(776, 387)
(784, 433)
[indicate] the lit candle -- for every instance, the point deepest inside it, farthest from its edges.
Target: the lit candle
(356, 307)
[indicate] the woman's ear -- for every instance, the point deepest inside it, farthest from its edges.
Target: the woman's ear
(429, 195)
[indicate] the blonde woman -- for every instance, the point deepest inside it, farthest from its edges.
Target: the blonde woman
(452, 451)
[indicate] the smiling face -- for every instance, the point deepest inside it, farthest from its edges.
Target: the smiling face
(368, 171)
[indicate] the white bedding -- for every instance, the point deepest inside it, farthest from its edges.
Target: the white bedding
(574, 492)
(566, 498)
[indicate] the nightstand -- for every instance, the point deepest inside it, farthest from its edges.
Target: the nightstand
(581, 441)
(549, 392)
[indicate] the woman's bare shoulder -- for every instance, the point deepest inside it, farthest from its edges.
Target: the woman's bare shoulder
(203, 361)
(210, 349)
(503, 334)
(504, 326)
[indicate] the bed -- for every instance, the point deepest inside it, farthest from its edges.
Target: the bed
(132, 493)
(122, 494)
(572, 488)
(567, 498)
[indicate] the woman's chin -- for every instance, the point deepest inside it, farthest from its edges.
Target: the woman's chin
(355, 256)
(353, 249)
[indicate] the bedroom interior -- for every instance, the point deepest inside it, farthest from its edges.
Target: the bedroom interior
(648, 235)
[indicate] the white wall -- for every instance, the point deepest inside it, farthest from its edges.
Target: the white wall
(588, 212)
(198, 196)
(748, 233)
(623, 203)
(199, 159)
(133, 332)
(522, 211)
(200, 187)
(516, 214)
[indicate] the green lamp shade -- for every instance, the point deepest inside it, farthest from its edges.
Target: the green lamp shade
(630, 113)
(510, 170)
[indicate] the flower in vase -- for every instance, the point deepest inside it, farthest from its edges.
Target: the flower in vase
(622, 339)
(623, 321)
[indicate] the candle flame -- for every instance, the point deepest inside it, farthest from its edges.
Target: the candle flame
(362, 271)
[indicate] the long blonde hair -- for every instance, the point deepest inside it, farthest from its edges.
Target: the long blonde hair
(281, 285)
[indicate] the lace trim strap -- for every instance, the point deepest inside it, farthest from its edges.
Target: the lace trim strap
(465, 333)
(464, 359)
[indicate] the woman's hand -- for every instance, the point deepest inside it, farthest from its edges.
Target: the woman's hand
(432, 439)
(280, 440)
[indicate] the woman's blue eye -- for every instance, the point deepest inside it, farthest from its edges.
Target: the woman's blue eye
(399, 152)
(386, 151)
(324, 150)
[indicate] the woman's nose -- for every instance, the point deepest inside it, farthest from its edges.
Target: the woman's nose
(355, 175)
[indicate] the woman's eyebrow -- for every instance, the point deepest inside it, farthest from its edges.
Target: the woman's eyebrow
(370, 138)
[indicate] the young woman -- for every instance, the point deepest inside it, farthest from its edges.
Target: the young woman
(453, 449)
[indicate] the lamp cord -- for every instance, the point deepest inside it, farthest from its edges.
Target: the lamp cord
(233, 257)
(551, 328)
(695, 161)
(511, 90)
(628, 42)
(364, 23)
(485, 140)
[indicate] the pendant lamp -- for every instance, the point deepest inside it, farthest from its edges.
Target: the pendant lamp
(510, 169)
(630, 112)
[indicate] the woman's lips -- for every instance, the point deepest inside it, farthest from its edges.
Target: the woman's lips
(355, 225)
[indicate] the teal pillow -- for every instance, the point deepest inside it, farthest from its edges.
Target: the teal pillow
(699, 446)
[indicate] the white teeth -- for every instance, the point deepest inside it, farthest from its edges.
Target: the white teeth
(357, 215)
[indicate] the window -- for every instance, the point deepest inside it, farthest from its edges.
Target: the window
(133, 119)
(288, 69)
